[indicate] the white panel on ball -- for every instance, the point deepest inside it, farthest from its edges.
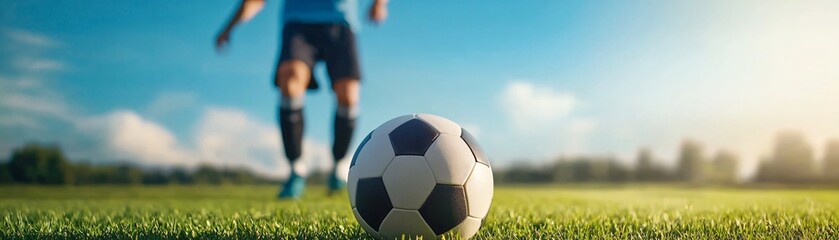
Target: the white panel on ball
(408, 181)
(441, 124)
(387, 127)
(405, 222)
(364, 224)
(450, 159)
(479, 191)
(468, 227)
(373, 158)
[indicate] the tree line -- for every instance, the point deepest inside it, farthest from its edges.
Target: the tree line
(36, 163)
(792, 161)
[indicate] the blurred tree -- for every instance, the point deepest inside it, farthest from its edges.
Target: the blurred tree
(724, 167)
(241, 176)
(618, 172)
(581, 170)
(499, 176)
(127, 174)
(155, 177)
(104, 174)
(522, 172)
(589, 169)
(36, 163)
(645, 169)
(206, 174)
(5, 175)
(598, 169)
(179, 175)
(691, 162)
(563, 170)
(84, 173)
(831, 161)
(765, 170)
(46, 164)
(792, 160)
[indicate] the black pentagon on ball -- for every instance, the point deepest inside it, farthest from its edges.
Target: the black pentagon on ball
(444, 208)
(360, 146)
(372, 202)
(412, 137)
(470, 140)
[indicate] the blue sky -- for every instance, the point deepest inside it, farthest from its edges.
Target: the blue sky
(113, 80)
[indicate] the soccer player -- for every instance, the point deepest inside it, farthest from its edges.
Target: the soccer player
(313, 31)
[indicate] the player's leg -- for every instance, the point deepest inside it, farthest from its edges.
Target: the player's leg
(347, 96)
(343, 67)
(293, 75)
(292, 78)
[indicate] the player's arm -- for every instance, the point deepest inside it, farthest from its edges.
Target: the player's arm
(378, 11)
(246, 10)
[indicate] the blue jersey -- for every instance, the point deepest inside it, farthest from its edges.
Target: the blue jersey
(322, 11)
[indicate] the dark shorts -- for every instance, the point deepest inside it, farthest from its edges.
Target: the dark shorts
(334, 44)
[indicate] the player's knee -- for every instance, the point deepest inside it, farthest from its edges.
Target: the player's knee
(347, 92)
(348, 101)
(292, 78)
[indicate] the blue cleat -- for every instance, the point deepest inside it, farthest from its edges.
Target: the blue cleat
(335, 184)
(293, 187)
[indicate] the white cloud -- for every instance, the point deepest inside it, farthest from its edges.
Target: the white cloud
(29, 38)
(19, 84)
(130, 137)
(223, 137)
(543, 119)
(27, 104)
(229, 137)
(35, 104)
(22, 89)
(25, 52)
(15, 121)
(529, 106)
(38, 64)
(581, 126)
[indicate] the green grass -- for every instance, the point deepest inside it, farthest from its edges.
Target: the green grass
(517, 212)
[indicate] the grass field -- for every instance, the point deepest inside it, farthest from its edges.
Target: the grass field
(517, 212)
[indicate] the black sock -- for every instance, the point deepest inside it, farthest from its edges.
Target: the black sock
(290, 114)
(343, 128)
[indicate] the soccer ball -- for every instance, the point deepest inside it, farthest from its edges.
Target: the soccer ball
(420, 175)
